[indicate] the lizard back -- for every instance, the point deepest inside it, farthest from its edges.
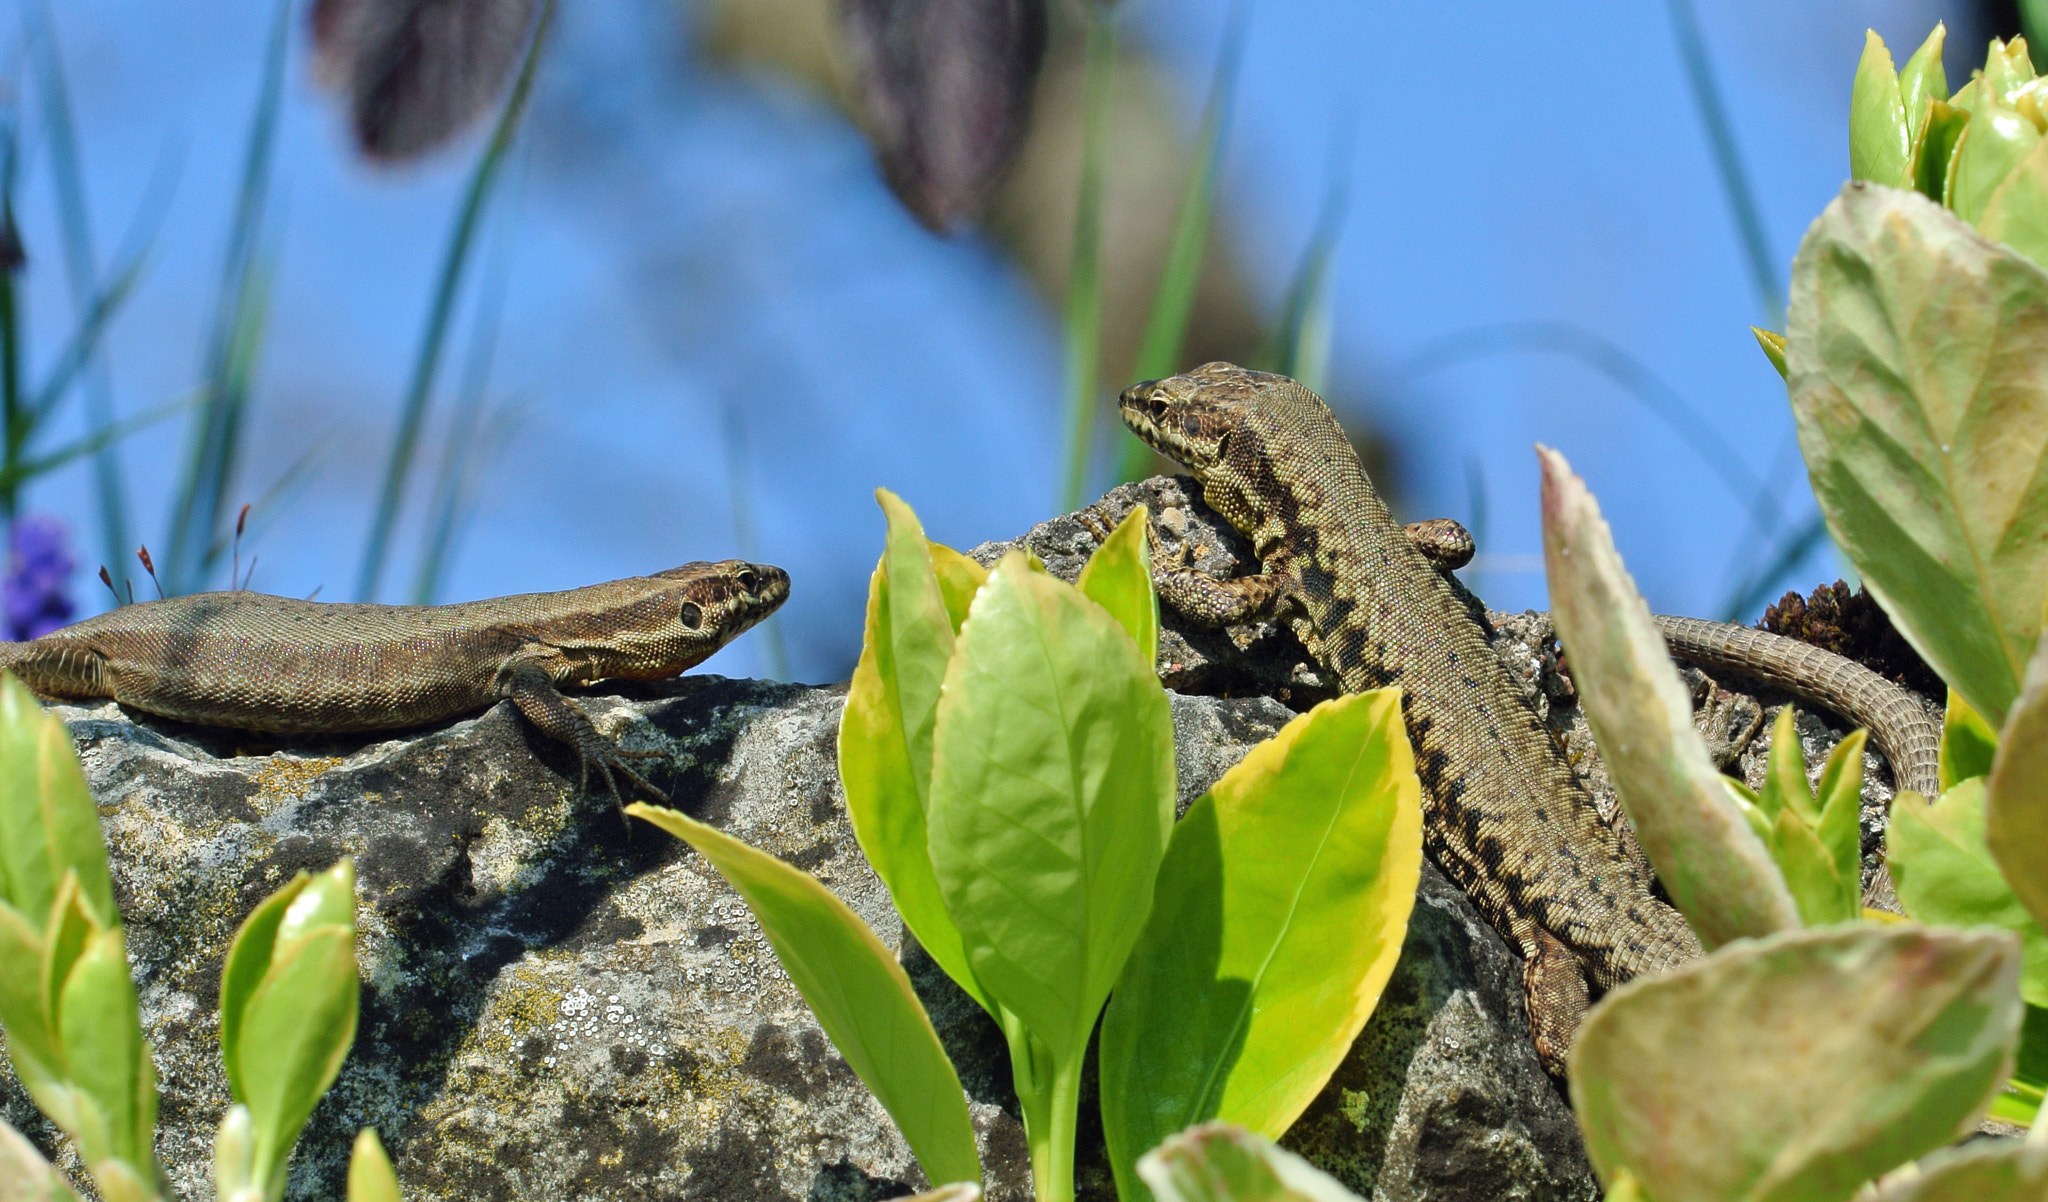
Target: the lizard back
(1507, 818)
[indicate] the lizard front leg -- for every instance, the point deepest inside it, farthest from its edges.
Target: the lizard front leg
(529, 687)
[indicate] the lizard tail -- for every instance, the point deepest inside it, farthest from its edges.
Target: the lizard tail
(1909, 737)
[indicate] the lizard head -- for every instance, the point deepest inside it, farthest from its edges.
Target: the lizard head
(1191, 418)
(660, 625)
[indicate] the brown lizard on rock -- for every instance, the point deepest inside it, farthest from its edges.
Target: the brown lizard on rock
(252, 661)
(1504, 815)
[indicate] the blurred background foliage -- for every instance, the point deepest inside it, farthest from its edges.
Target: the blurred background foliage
(685, 316)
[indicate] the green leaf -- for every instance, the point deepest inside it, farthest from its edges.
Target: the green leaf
(1052, 799)
(1995, 142)
(885, 735)
(1840, 830)
(1879, 141)
(106, 1060)
(1810, 873)
(31, 1042)
(24, 1175)
(1934, 155)
(1922, 82)
(1719, 874)
(1278, 916)
(234, 1157)
(1785, 773)
(856, 988)
(1817, 850)
(370, 1178)
(959, 578)
(1915, 349)
(1773, 346)
(1118, 577)
(48, 823)
(69, 931)
(1998, 1169)
(2017, 213)
(2016, 803)
(1747, 800)
(2020, 1101)
(1945, 874)
(297, 1028)
(2006, 67)
(289, 1004)
(1967, 743)
(1219, 1162)
(247, 960)
(1882, 1043)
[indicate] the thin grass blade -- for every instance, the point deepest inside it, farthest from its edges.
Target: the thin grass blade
(1084, 277)
(441, 312)
(75, 224)
(1166, 328)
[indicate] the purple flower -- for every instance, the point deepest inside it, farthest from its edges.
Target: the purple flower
(39, 566)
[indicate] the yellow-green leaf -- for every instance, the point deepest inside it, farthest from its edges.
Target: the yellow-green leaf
(1785, 773)
(99, 1027)
(1916, 350)
(1997, 139)
(916, 600)
(2016, 807)
(1942, 866)
(31, 1041)
(1720, 875)
(1967, 743)
(1996, 1170)
(48, 824)
(370, 1177)
(1118, 577)
(297, 1028)
(1796, 1068)
(24, 1175)
(2017, 213)
(1840, 830)
(1221, 1162)
(242, 971)
(1278, 916)
(1934, 154)
(857, 990)
(1879, 141)
(1052, 798)
(958, 578)
(1922, 82)
(1773, 345)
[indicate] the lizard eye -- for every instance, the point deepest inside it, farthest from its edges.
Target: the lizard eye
(692, 615)
(749, 581)
(1155, 408)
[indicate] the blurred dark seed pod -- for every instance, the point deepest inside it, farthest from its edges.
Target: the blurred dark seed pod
(414, 73)
(945, 91)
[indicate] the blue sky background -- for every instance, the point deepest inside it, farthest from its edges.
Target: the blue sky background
(694, 251)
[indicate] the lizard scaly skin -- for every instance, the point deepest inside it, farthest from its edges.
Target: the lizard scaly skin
(1505, 817)
(257, 662)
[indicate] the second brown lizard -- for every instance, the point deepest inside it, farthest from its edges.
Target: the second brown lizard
(1505, 816)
